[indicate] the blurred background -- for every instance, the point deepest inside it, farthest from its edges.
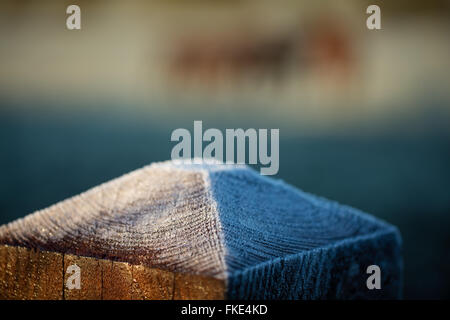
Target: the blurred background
(364, 115)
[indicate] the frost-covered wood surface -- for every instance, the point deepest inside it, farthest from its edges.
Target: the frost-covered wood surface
(173, 230)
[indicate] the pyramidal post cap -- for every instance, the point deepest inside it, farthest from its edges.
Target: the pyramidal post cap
(263, 237)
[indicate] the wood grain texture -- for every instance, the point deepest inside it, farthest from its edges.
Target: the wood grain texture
(27, 274)
(156, 217)
(182, 231)
(198, 287)
(152, 284)
(91, 278)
